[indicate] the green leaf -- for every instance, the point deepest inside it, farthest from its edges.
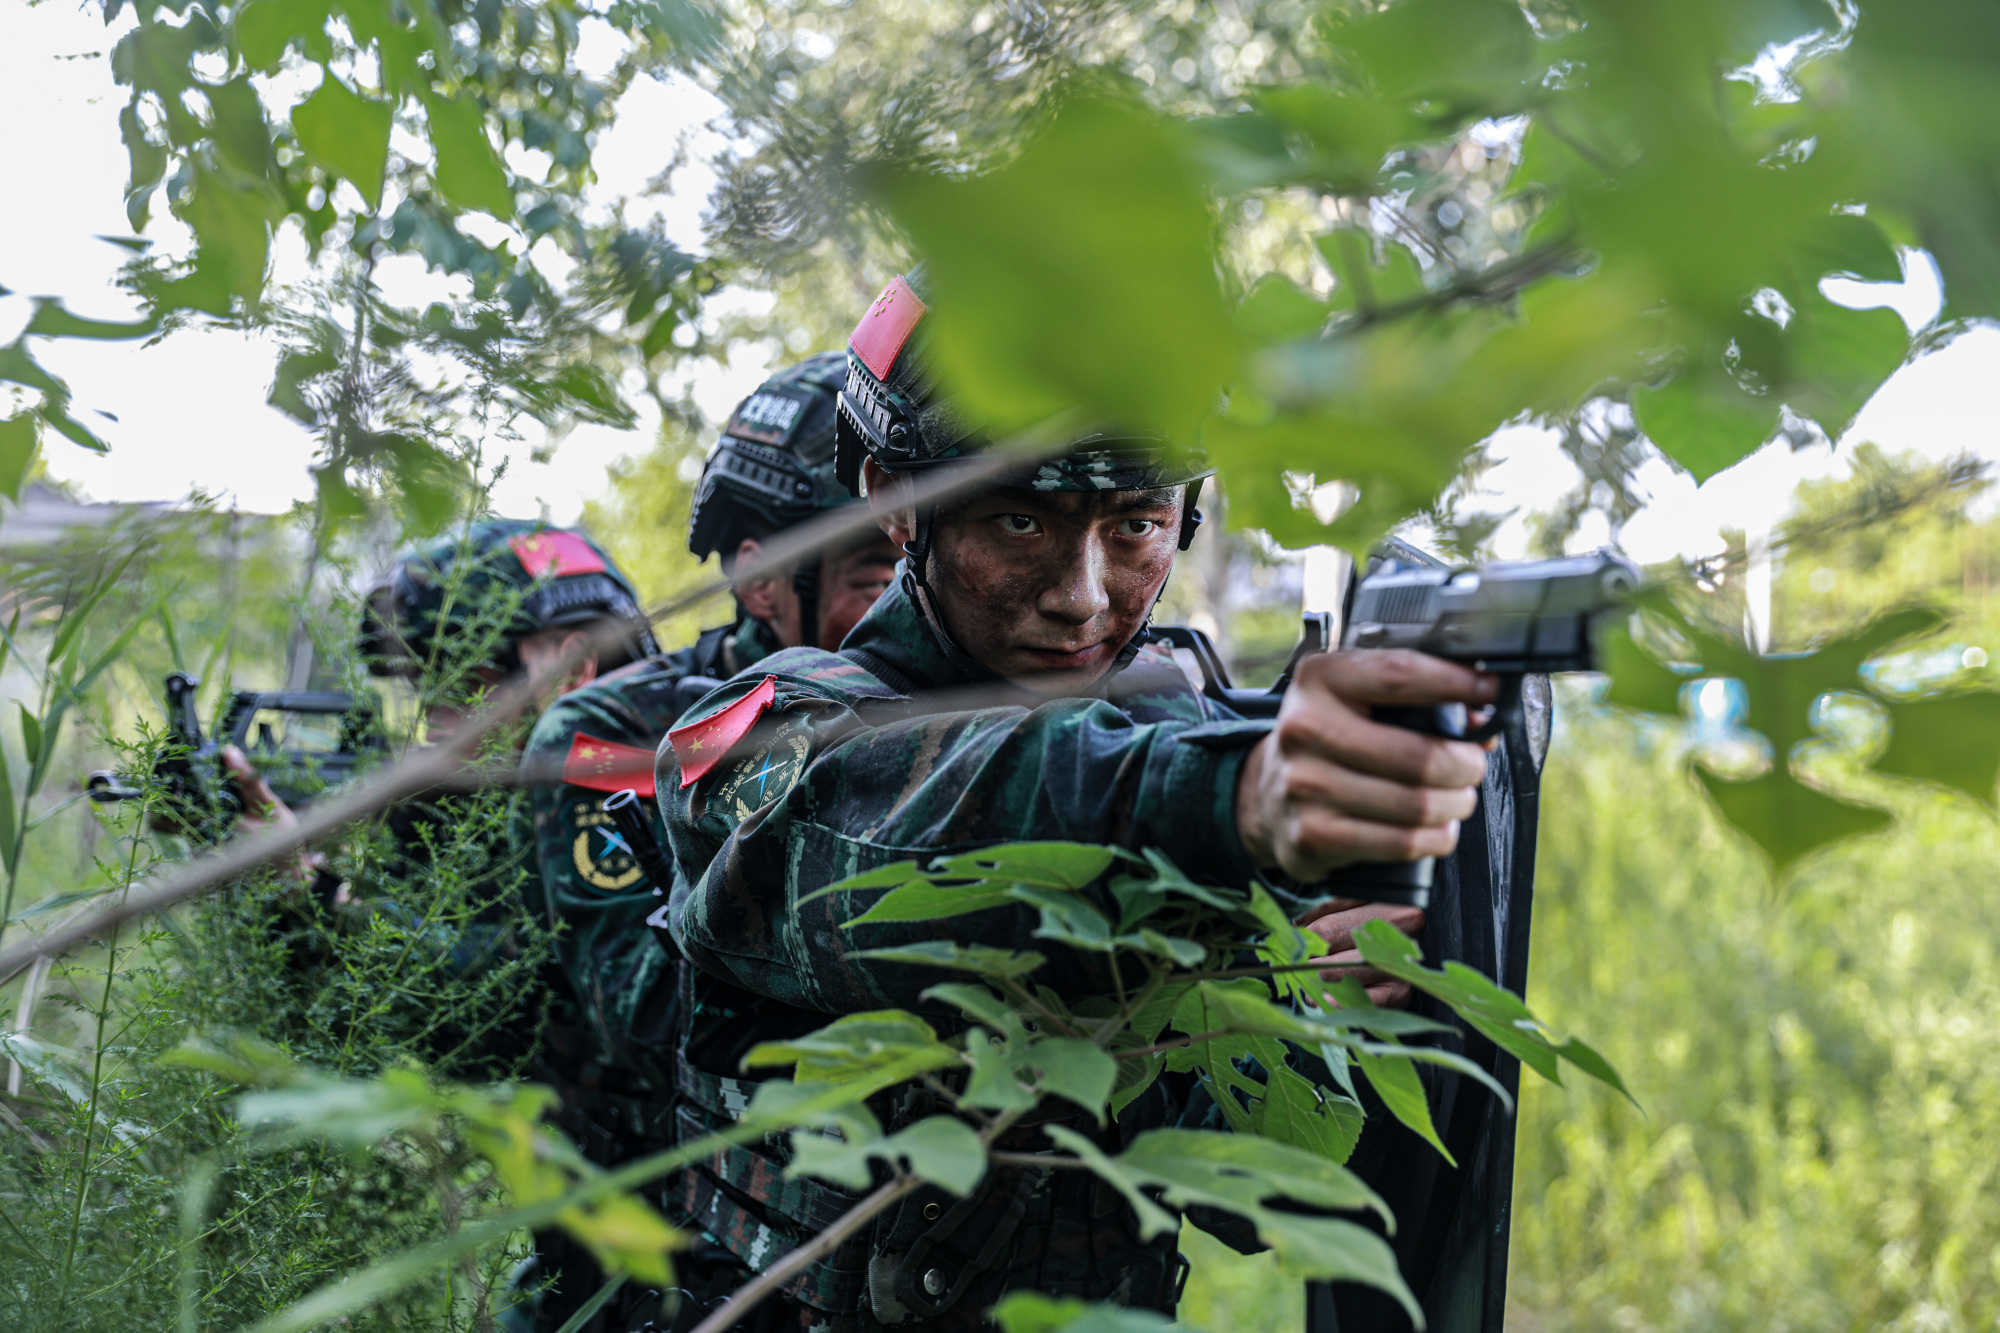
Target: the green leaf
(1078, 1071)
(1079, 275)
(20, 367)
(1950, 739)
(31, 733)
(1000, 1078)
(237, 122)
(940, 1149)
(1245, 1175)
(1786, 818)
(349, 1113)
(1033, 1312)
(1639, 680)
(264, 28)
(1366, 285)
(53, 414)
(1276, 311)
(977, 1003)
(52, 320)
(856, 1046)
(468, 172)
(661, 335)
(149, 165)
(1451, 52)
(975, 881)
(1838, 358)
(294, 370)
(980, 958)
(1049, 865)
(1293, 1111)
(921, 900)
(20, 443)
(347, 134)
(1784, 687)
(1068, 919)
(1400, 1089)
(55, 902)
(1703, 420)
(1498, 1014)
(1134, 1077)
(231, 221)
(1138, 897)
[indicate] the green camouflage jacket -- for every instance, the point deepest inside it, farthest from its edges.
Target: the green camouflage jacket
(616, 982)
(897, 747)
(852, 768)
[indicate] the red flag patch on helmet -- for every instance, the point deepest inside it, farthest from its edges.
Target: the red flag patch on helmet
(608, 766)
(700, 745)
(555, 553)
(879, 337)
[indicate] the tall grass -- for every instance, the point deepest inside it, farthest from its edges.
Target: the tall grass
(130, 1194)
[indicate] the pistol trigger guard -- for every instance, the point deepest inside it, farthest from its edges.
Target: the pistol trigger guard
(1506, 709)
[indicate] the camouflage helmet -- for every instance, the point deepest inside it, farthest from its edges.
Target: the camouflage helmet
(773, 466)
(891, 411)
(561, 577)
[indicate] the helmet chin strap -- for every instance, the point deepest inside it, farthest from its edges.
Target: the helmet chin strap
(805, 584)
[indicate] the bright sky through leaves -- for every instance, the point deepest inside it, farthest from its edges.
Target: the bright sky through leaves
(191, 412)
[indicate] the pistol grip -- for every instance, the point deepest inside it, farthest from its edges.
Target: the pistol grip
(1404, 883)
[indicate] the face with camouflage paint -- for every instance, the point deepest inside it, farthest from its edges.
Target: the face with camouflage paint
(1045, 587)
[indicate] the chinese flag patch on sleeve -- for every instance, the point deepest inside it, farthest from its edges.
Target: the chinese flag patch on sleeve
(879, 337)
(555, 553)
(700, 745)
(608, 766)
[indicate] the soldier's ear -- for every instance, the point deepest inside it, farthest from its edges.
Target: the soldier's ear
(886, 493)
(759, 595)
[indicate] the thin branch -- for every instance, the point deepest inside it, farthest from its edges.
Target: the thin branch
(1318, 965)
(424, 769)
(1037, 1161)
(1171, 1044)
(765, 1283)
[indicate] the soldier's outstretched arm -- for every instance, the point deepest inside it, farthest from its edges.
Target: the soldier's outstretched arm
(817, 797)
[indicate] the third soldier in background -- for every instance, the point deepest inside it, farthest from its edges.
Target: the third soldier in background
(611, 1032)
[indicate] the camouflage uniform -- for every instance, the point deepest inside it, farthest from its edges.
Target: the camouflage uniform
(614, 1011)
(851, 769)
(614, 1032)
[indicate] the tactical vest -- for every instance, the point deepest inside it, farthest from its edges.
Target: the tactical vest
(934, 1261)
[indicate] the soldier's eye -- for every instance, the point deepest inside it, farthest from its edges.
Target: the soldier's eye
(1137, 527)
(1019, 525)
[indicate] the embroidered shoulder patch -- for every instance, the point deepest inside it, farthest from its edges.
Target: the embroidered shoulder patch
(599, 851)
(763, 776)
(555, 553)
(608, 766)
(701, 745)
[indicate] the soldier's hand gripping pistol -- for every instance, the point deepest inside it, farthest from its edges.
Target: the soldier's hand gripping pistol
(1512, 618)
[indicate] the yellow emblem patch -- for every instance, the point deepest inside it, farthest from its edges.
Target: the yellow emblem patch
(599, 851)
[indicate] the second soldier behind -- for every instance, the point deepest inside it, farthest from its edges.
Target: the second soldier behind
(772, 468)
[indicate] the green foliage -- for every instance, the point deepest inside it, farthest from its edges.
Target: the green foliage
(1660, 238)
(1247, 1032)
(1817, 1072)
(1081, 272)
(1952, 734)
